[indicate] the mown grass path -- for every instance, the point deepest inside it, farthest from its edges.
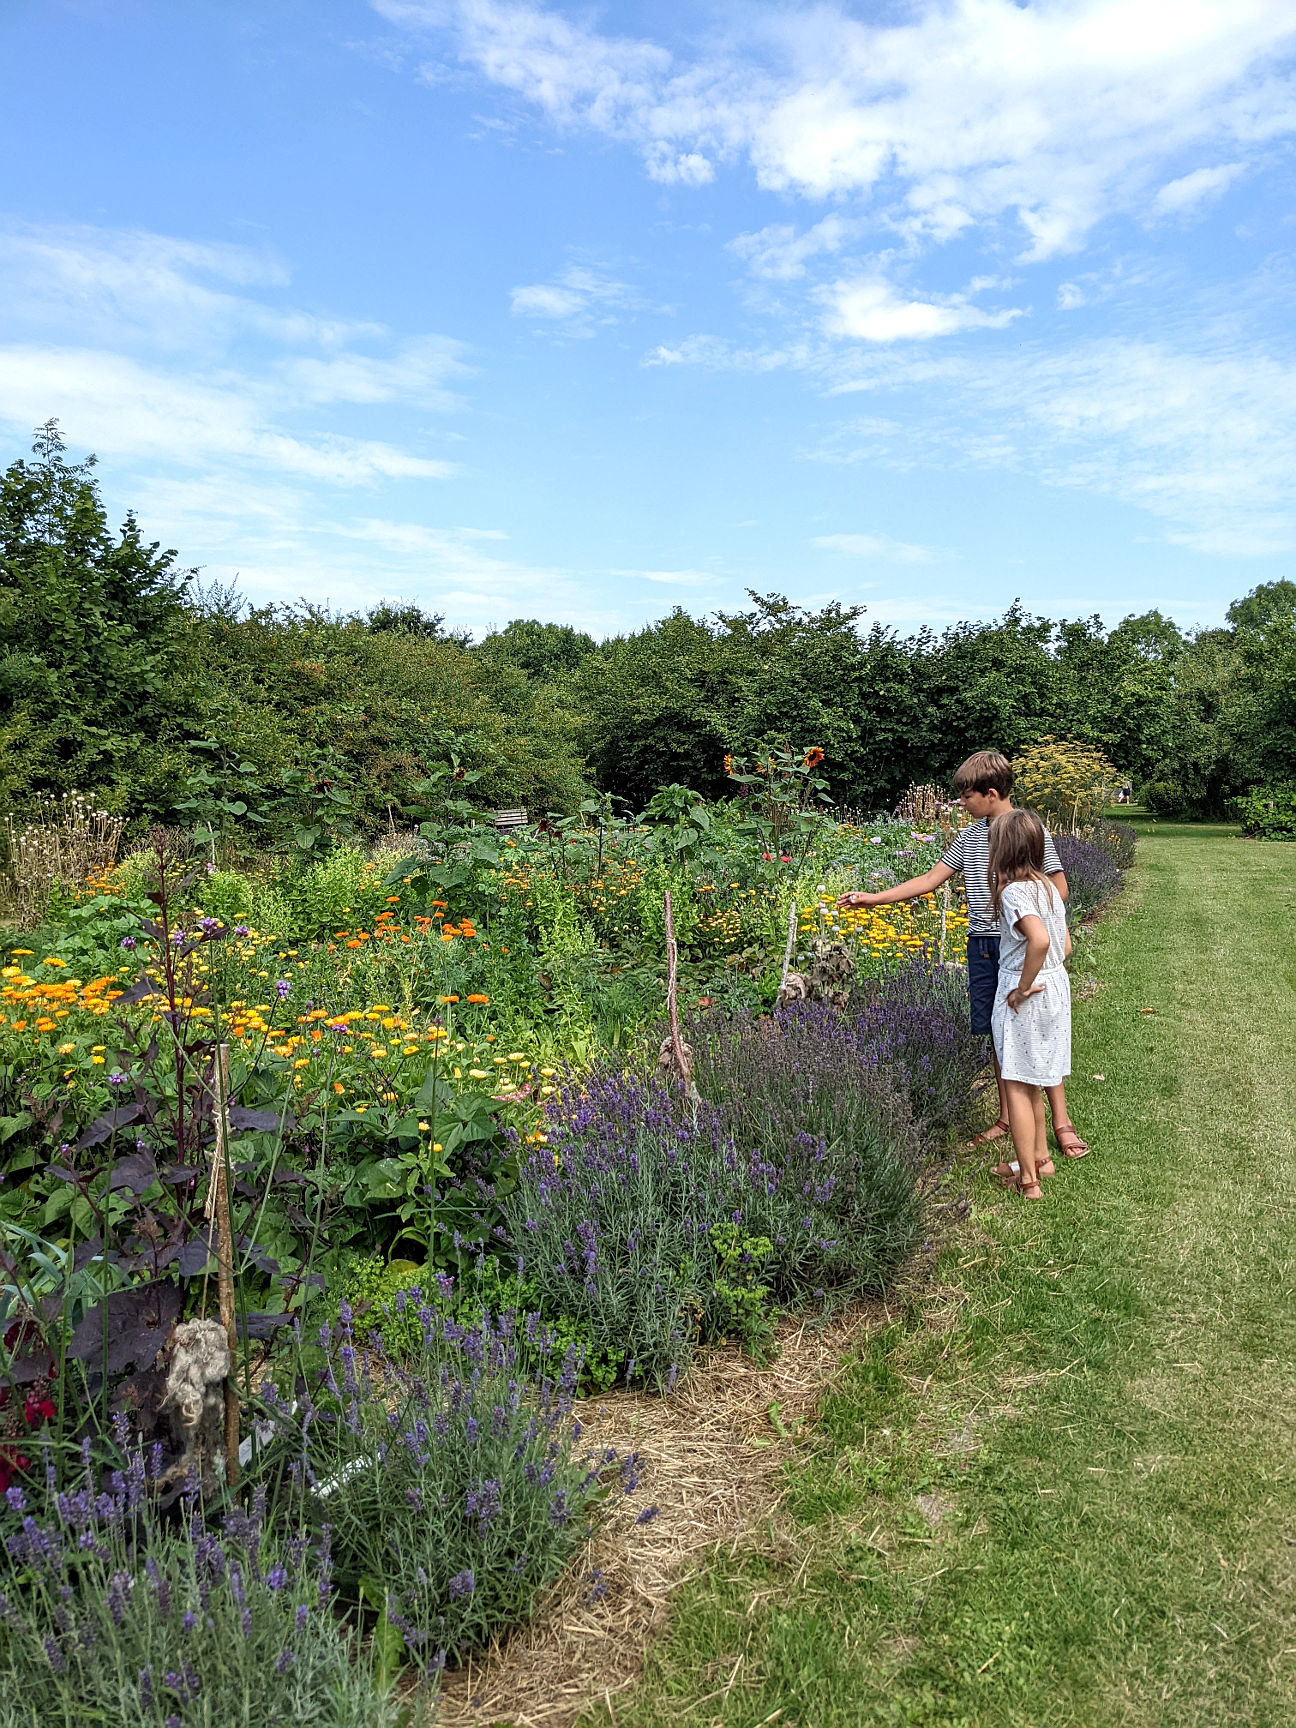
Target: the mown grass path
(1061, 1489)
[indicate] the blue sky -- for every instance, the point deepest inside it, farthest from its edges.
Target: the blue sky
(582, 313)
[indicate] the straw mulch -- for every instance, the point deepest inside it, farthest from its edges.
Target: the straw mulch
(712, 1454)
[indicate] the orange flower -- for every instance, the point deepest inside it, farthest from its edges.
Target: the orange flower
(479, 998)
(813, 757)
(728, 764)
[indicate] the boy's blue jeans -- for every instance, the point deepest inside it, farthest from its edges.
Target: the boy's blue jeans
(983, 979)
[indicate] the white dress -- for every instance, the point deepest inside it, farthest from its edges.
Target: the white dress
(1034, 1044)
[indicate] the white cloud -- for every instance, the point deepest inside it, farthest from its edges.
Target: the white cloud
(878, 546)
(780, 254)
(673, 578)
(1203, 441)
(871, 310)
(124, 409)
(1052, 115)
(578, 300)
(1193, 189)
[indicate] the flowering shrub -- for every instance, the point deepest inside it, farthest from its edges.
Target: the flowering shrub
(109, 1612)
(915, 1019)
(1092, 874)
(454, 1490)
(621, 1219)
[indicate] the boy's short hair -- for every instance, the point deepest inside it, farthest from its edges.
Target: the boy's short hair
(986, 771)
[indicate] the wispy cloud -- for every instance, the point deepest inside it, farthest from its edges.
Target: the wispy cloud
(963, 112)
(871, 309)
(876, 546)
(576, 300)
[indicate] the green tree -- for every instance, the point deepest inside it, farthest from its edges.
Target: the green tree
(94, 662)
(542, 651)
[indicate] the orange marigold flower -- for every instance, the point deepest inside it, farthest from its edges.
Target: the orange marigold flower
(728, 765)
(479, 998)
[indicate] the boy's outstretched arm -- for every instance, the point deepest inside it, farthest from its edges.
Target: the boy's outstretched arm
(1059, 881)
(909, 890)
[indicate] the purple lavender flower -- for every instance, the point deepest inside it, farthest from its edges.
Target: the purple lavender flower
(284, 1661)
(127, 942)
(117, 1078)
(283, 988)
(647, 1515)
(242, 930)
(462, 1584)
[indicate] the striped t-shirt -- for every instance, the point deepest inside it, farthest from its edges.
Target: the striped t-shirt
(970, 853)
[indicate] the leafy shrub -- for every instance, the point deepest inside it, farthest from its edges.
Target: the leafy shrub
(110, 1614)
(1268, 813)
(1092, 874)
(454, 1492)
(1067, 782)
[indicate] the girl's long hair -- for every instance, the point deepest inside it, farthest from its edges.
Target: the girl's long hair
(1016, 853)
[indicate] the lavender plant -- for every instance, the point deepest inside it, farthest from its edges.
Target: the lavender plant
(455, 1491)
(615, 1218)
(111, 1612)
(1092, 874)
(914, 1021)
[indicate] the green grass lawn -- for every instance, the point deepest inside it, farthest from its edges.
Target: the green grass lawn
(1061, 1488)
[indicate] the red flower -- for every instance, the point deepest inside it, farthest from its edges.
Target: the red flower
(37, 1410)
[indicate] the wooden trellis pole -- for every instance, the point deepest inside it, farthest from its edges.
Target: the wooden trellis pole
(220, 1205)
(679, 1050)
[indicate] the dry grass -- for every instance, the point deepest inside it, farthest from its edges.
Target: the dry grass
(712, 1453)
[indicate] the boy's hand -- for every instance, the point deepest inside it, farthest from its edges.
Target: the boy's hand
(858, 898)
(1017, 996)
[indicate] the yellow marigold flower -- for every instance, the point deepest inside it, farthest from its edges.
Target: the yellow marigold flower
(53, 960)
(517, 1056)
(97, 1061)
(66, 1049)
(478, 1074)
(424, 1128)
(378, 1052)
(302, 1062)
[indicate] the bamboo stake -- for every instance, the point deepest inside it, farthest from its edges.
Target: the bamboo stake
(225, 1258)
(945, 911)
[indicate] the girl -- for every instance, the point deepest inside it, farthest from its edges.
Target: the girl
(1031, 1018)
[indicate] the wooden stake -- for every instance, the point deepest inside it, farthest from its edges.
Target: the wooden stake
(945, 910)
(682, 1062)
(225, 1258)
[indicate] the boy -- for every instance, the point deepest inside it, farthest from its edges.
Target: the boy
(984, 787)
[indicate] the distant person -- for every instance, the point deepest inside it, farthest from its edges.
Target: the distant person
(983, 785)
(1031, 1019)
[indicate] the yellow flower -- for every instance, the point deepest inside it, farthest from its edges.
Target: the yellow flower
(53, 960)
(97, 1061)
(436, 1146)
(478, 1074)
(66, 1049)
(21, 951)
(516, 1056)
(377, 1053)
(424, 1128)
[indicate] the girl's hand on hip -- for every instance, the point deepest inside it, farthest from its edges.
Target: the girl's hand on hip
(1017, 996)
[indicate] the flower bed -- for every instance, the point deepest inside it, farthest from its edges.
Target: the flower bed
(441, 1103)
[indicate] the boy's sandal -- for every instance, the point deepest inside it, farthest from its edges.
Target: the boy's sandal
(995, 1131)
(1074, 1146)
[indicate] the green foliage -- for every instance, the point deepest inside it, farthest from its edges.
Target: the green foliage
(1268, 813)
